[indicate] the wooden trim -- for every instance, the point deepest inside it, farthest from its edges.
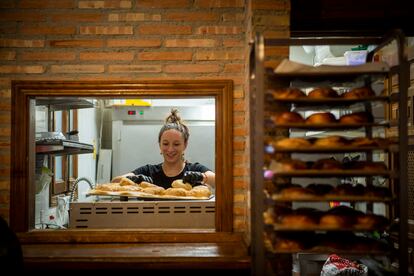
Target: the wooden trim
(23, 154)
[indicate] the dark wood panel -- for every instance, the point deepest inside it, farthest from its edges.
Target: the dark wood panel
(198, 256)
(330, 17)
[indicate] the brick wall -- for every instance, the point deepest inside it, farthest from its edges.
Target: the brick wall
(135, 39)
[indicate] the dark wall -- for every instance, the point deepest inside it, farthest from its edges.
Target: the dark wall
(339, 17)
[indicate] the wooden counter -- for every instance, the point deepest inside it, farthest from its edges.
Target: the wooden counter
(138, 256)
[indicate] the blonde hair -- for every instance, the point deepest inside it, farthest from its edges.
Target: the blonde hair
(173, 121)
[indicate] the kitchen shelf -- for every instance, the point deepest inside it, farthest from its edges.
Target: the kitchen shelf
(58, 104)
(62, 147)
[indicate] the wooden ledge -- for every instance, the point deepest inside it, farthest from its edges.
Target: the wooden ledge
(141, 256)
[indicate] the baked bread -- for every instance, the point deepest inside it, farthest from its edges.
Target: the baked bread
(292, 143)
(322, 92)
(180, 184)
(288, 165)
(288, 245)
(126, 181)
(108, 187)
(287, 93)
(359, 93)
(375, 191)
(319, 189)
(370, 221)
(333, 141)
(176, 192)
(356, 118)
(321, 118)
(299, 221)
(348, 189)
(338, 217)
(287, 117)
(366, 166)
(296, 192)
(327, 164)
(200, 191)
(363, 142)
(145, 184)
(157, 190)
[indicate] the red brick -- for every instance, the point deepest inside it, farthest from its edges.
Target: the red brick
(238, 93)
(4, 145)
(190, 43)
(4, 197)
(219, 3)
(239, 224)
(47, 30)
(5, 131)
(77, 17)
(5, 118)
(165, 56)
(106, 30)
(233, 17)
(106, 56)
(239, 171)
(19, 43)
(272, 20)
(240, 131)
(190, 16)
(274, 5)
(7, 55)
(5, 160)
(192, 68)
(21, 69)
(155, 68)
(24, 16)
(233, 43)
(144, 43)
(239, 145)
(239, 158)
(77, 69)
(77, 43)
(132, 17)
(164, 4)
(4, 185)
(47, 56)
(5, 93)
(239, 119)
(239, 105)
(234, 68)
(47, 4)
(8, 28)
(163, 29)
(106, 4)
(218, 30)
(240, 211)
(239, 184)
(219, 55)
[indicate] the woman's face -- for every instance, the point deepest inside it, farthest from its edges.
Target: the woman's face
(172, 146)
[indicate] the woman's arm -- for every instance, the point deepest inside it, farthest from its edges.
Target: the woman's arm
(209, 178)
(118, 178)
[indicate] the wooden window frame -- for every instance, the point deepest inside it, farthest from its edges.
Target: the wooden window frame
(22, 194)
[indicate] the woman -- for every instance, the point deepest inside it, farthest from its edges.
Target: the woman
(173, 141)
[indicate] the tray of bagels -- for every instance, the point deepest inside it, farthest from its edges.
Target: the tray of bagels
(146, 190)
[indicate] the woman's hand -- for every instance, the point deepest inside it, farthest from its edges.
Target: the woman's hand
(193, 177)
(140, 178)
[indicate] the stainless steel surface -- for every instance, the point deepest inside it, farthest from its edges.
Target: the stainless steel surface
(183, 214)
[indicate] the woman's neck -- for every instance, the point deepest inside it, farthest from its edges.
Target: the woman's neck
(173, 169)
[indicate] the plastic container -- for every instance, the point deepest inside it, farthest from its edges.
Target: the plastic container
(355, 57)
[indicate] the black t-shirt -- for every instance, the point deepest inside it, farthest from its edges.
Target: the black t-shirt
(159, 177)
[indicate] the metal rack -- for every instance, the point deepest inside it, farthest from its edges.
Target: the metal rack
(261, 79)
